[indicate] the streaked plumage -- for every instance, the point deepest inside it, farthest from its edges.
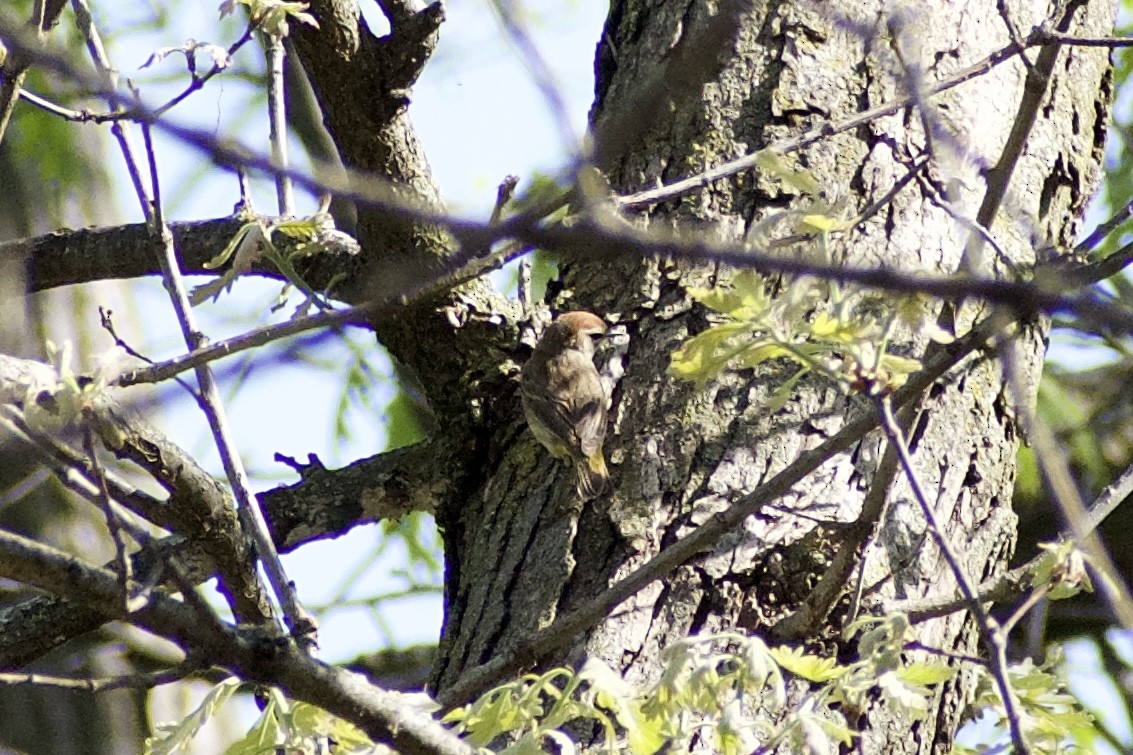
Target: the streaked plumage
(564, 401)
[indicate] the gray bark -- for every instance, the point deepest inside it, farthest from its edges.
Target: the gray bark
(522, 551)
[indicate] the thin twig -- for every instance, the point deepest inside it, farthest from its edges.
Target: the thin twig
(71, 468)
(125, 569)
(503, 195)
(1099, 234)
(299, 622)
(277, 121)
(1039, 37)
(1023, 297)
(383, 715)
(140, 680)
(197, 82)
(368, 191)
(105, 317)
(1056, 470)
(993, 638)
(149, 197)
(1019, 580)
(109, 77)
(998, 178)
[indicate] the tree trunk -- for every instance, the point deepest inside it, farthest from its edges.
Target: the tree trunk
(683, 87)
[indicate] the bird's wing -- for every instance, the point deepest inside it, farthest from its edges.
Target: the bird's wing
(580, 418)
(588, 418)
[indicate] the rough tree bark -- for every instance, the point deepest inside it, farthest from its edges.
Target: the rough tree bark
(522, 552)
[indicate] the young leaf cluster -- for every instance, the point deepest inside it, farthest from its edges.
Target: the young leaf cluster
(818, 325)
(283, 726)
(710, 688)
(58, 404)
(178, 737)
(288, 726)
(273, 17)
(309, 236)
(1052, 719)
(708, 694)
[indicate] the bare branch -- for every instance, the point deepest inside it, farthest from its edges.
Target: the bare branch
(990, 631)
(300, 623)
(324, 503)
(383, 715)
(141, 680)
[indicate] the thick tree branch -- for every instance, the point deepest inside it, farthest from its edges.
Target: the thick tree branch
(362, 83)
(69, 257)
(326, 503)
(383, 715)
(197, 506)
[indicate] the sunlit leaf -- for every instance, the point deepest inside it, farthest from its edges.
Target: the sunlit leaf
(811, 667)
(177, 737)
(774, 165)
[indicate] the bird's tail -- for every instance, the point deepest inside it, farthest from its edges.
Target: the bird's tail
(592, 476)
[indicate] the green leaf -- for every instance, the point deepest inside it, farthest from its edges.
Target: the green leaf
(305, 229)
(925, 673)
(246, 248)
(762, 351)
(912, 701)
(1062, 568)
(810, 667)
(310, 723)
(822, 729)
(265, 735)
(781, 395)
(248, 234)
(899, 366)
(774, 165)
(177, 737)
(272, 16)
(826, 223)
(745, 298)
(705, 355)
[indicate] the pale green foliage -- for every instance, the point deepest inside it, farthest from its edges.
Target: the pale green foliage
(189, 49)
(1062, 569)
(710, 690)
(818, 325)
(272, 16)
(311, 235)
(284, 725)
(178, 737)
(883, 667)
(1052, 719)
(709, 693)
(298, 727)
(60, 403)
(536, 706)
(773, 164)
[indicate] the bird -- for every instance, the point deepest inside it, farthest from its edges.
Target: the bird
(564, 400)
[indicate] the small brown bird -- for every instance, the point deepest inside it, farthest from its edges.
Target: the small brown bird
(564, 400)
